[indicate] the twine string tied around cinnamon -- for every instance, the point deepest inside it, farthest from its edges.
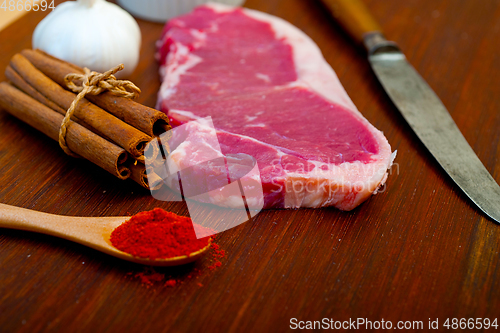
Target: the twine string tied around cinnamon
(93, 83)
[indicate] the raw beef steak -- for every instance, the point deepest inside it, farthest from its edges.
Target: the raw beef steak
(271, 95)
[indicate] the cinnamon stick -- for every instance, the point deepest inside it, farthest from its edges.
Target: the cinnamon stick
(19, 82)
(147, 180)
(80, 140)
(123, 134)
(148, 120)
(24, 86)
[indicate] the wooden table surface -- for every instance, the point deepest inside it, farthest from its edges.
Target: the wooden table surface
(419, 250)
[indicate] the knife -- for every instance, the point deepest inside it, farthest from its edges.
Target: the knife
(420, 106)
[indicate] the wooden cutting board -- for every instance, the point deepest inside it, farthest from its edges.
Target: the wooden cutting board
(419, 250)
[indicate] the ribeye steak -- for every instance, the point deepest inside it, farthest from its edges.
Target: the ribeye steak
(271, 95)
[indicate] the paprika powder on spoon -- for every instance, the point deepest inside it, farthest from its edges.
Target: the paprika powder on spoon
(159, 234)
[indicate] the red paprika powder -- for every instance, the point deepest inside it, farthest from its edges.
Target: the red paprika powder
(159, 234)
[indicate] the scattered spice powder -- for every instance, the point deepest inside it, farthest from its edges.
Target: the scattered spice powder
(218, 253)
(150, 276)
(170, 283)
(150, 279)
(215, 265)
(159, 234)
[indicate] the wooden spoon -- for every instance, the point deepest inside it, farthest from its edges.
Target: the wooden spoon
(93, 232)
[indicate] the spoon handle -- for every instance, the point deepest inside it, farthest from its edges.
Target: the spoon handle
(26, 219)
(83, 230)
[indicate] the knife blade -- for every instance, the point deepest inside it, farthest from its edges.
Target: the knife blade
(420, 106)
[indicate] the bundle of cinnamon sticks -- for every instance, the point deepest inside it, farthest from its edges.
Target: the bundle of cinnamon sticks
(109, 131)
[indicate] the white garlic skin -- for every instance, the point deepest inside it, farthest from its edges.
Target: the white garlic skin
(91, 33)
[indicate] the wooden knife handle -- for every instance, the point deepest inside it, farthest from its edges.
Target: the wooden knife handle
(354, 17)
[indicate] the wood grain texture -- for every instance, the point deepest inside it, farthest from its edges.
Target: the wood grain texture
(419, 250)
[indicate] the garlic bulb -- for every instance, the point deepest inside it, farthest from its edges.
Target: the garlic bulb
(90, 33)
